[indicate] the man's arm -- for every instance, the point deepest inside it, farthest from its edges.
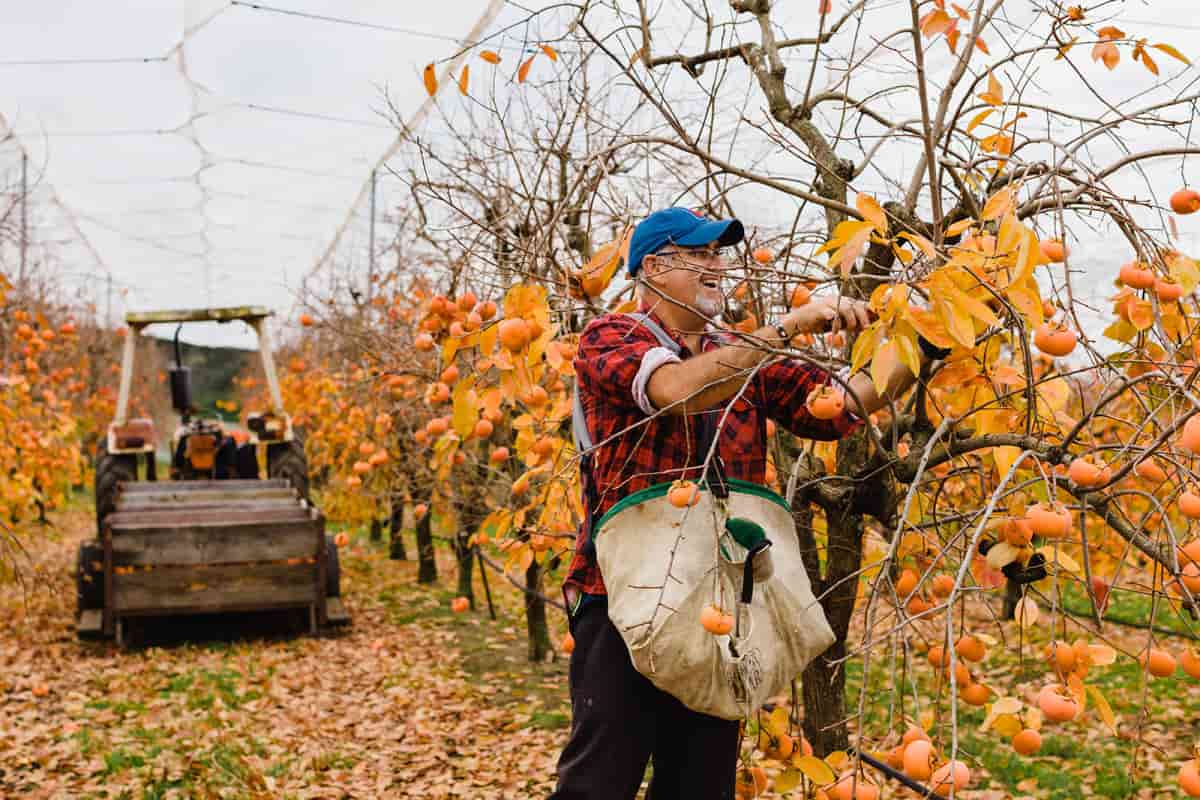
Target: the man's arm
(710, 378)
(862, 387)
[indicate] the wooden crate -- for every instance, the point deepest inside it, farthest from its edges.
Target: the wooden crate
(195, 559)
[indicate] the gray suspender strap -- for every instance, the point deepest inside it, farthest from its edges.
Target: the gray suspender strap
(579, 426)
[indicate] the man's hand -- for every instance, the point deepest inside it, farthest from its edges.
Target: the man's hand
(823, 314)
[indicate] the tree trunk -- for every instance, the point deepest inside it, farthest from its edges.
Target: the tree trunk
(376, 530)
(466, 567)
(396, 550)
(535, 614)
(427, 566)
(1012, 593)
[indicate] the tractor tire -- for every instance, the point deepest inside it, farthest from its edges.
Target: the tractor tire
(89, 577)
(287, 461)
(110, 471)
(333, 570)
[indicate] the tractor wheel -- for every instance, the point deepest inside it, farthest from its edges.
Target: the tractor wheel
(89, 577)
(110, 470)
(287, 461)
(333, 570)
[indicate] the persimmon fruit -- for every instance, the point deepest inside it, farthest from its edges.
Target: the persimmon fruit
(1054, 340)
(1185, 201)
(716, 621)
(826, 403)
(1027, 742)
(683, 494)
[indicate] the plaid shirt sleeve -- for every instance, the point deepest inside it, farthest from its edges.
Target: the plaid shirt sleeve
(609, 357)
(786, 385)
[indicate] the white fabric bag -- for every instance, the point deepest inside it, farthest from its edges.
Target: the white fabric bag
(662, 565)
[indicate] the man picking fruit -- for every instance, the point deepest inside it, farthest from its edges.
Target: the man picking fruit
(653, 391)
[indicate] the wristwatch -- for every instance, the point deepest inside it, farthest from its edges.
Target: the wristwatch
(784, 336)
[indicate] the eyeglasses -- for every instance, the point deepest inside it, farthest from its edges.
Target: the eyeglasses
(720, 256)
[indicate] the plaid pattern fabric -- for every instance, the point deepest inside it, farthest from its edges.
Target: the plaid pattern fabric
(633, 451)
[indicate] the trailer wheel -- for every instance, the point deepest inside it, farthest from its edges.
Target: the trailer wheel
(333, 570)
(89, 577)
(110, 471)
(287, 461)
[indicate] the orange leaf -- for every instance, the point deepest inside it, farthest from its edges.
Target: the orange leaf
(1110, 32)
(952, 39)
(935, 22)
(997, 205)
(872, 212)
(490, 56)
(1172, 52)
(550, 52)
(523, 72)
(1108, 53)
(1148, 63)
(978, 119)
(462, 79)
(430, 77)
(981, 46)
(994, 95)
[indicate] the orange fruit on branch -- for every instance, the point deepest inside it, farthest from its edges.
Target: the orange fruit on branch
(1050, 521)
(1057, 705)
(970, 648)
(683, 494)
(1084, 473)
(763, 255)
(1168, 291)
(1053, 250)
(514, 334)
(825, 402)
(1151, 471)
(1190, 661)
(423, 342)
(918, 760)
(568, 644)
(419, 510)
(483, 429)
(1189, 778)
(486, 309)
(459, 604)
(800, 296)
(1054, 340)
(1185, 201)
(1190, 438)
(499, 455)
(1135, 276)
(976, 694)
(951, 774)
(906, 583)
(716, 621)
(1158, 663)
(467, 301)
(1027, 742)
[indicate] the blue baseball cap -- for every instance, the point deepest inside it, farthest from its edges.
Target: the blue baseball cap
(679, 226)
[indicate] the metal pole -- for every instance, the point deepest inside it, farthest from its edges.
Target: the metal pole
(371, 238)
(24, 216)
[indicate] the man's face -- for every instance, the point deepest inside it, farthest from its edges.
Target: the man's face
(691, 276)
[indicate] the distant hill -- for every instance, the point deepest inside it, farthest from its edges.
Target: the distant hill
(213, 371)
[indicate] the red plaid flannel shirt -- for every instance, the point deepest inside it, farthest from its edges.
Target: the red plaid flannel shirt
(633, 452)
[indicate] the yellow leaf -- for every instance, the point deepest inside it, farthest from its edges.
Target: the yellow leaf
(1172, 52)
(462, 79)
(550, 52)
(959, 227)
(1184, 271)
(490, 56)
(872, 212)
(787, 780)
(1061, 558)
(430, 78)
(777, 721)
(1000, 555)
(1103, 708)
(994, 95)
(979, 118)
(523, 71)
(1026, 612)
(906, 347)
(864, 346)
(921, 242)
(998, 204)
(883, 365)
(970, 305)
(814, 769)
(1007, 725)
(466, 407)
(1007, 705)
(836, 759)
(1004, 458)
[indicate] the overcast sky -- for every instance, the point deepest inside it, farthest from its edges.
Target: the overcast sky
(223, 183)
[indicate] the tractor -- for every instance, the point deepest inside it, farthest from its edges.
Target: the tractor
(217, 537)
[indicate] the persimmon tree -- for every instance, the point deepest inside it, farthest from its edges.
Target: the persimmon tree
(976, 201)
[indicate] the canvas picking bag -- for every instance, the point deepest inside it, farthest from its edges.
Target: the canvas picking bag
(662, 565)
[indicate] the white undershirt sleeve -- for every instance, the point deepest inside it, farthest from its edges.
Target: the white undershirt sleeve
(654, 358)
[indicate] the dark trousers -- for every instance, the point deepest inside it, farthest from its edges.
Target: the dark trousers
(620, 721)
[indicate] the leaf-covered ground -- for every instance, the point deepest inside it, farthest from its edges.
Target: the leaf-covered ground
(414, 701)
(410, 701)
